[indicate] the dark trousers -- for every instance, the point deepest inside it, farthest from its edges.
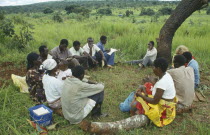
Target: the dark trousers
(98, 98)
(83, 61)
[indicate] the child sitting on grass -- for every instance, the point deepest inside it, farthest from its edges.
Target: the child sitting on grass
(64, 71)
(129, 105)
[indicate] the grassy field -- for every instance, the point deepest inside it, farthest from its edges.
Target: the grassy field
(131, 39)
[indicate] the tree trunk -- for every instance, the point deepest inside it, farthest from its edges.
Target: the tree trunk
(179, 15)
(113, 127)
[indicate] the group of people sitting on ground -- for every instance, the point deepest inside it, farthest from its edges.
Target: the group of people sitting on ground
(58, 78)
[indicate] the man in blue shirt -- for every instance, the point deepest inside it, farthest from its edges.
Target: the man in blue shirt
(194, 64)
(109, 58)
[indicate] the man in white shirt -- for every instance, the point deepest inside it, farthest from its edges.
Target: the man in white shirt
(148, 58)
(94, 51)
(81, 55)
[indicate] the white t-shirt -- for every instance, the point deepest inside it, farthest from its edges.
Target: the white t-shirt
(65, 73)
(95, 49)
(165, 83)
(52, 87)
(74, 52)
(152, 54)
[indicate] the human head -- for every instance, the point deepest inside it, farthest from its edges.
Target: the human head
(179, 60)
(103, 39)
(160, 66)
(151, 45)
(33, 60)
(63, 44)
(43, 50)
(141, 87)
(188, 56)
(78, 72)
(50, 65)
(90, 41)
(181, 49)
(63, 65)
(76, 45)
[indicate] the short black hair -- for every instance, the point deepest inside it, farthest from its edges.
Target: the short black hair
(64, 41)
(187, 55)
(102, 38)
(90, 38)
(179, 59)
(76, 43)
(77, 71)
(41, 48)
(152, 42)
(31, 57)
(161, 63)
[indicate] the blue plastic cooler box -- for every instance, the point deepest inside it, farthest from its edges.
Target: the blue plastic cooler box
(43, 120)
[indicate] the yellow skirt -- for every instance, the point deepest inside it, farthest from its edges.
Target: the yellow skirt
(160, 114)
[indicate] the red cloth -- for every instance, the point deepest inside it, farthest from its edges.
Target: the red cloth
(148, 86)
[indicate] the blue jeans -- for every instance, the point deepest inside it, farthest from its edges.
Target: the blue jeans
(109, 58)
(126, 105)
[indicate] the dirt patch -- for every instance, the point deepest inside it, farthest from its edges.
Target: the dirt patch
(8, 68)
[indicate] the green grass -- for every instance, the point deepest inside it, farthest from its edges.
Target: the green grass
(119, 82)
(131, 39)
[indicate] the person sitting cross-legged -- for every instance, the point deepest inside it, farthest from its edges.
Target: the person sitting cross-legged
(80, 97)
(109, 58)
(148, 58)
(61, 52)
(81, 55)
(183, 78)
(44, 53)
(93, 51)
(194, 64)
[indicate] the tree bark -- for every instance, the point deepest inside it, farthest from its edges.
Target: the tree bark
(179, 15)
(113, 127)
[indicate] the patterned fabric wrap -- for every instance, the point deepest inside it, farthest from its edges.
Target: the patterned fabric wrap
(34, 81)
(160, 114)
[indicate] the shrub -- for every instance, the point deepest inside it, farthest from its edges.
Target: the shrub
(7, 28)
(165, 11)
(48, 11)
(78, 10)
(2, 15)
(128, 13)
(147, 11)
(105, 11)
(57, 18)
(208, 11)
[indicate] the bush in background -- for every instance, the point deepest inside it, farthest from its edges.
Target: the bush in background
(208, 11)
(147, 11)
(128, 13)
(105, 11)
(165, 11)
(48, 11)
(57, 18)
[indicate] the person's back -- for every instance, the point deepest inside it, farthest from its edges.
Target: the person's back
(183, 78)
(194, 64)
(75, 97)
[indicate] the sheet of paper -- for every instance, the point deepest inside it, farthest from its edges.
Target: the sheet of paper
(111, 51)
(41, 111)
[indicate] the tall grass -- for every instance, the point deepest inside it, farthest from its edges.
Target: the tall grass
(130, 38)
